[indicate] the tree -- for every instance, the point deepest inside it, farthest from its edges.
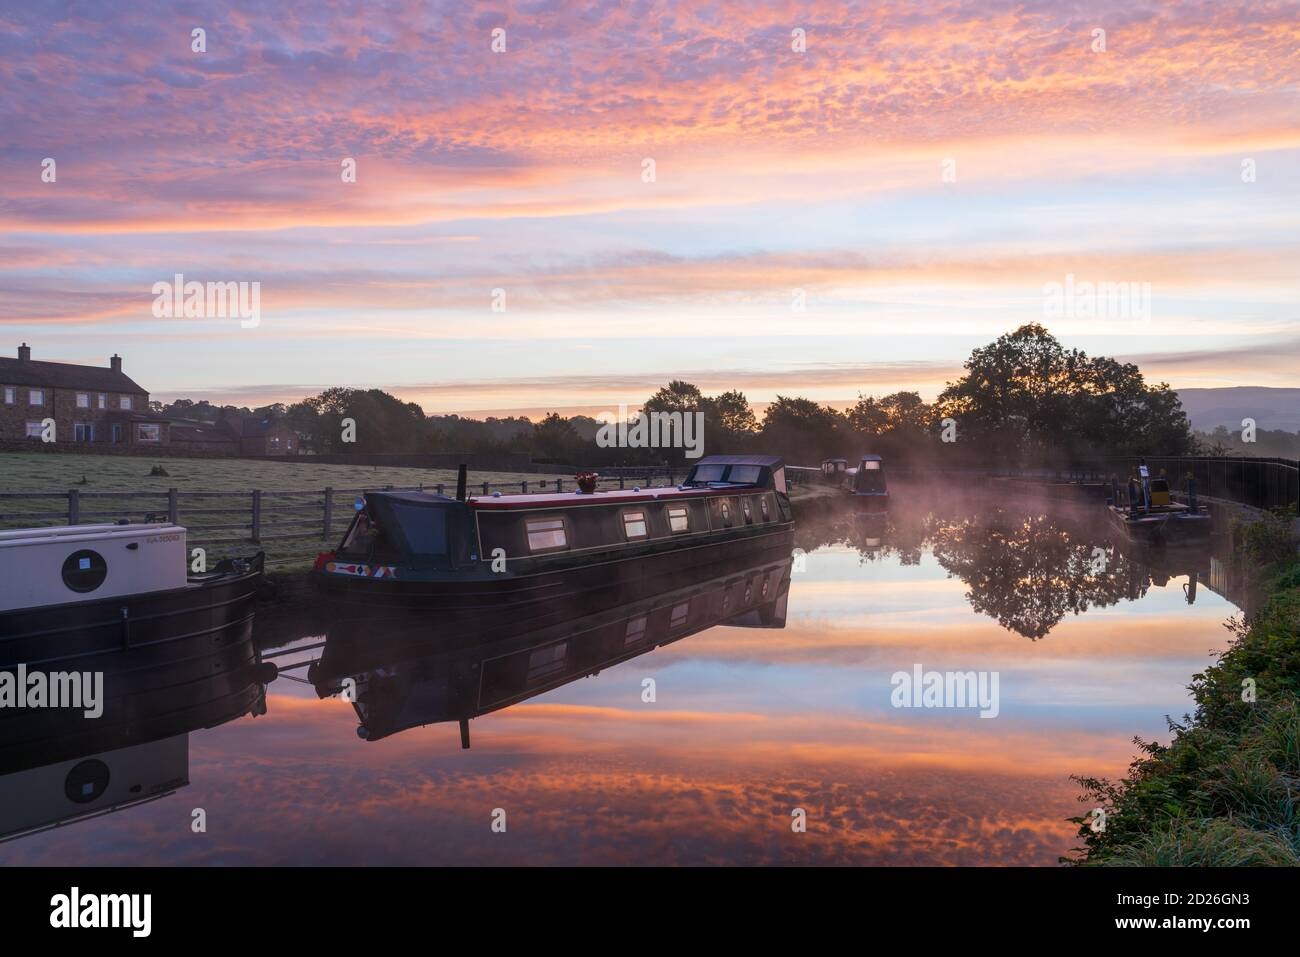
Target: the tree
(1026, 398)
(801, 430)
(555, 438)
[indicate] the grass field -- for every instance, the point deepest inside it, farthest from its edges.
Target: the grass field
(58, 472)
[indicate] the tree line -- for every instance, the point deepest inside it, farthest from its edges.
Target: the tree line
(1023, 399)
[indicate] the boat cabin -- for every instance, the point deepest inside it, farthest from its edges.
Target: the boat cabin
(869, 477)
(833, 469)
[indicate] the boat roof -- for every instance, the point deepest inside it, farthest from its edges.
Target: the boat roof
(770, 461)
(611, 497)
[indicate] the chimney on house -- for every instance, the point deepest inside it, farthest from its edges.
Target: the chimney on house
(24, 352)
(115, 362)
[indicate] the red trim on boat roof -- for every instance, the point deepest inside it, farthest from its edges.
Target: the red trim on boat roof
(613, 497)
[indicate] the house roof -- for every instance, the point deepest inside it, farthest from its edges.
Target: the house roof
(65, 375)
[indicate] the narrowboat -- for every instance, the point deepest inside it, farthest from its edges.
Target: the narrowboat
(115, 600)
(834, 471)
(396, 680)
(867, 483)
(524, 554)
(1151, 517)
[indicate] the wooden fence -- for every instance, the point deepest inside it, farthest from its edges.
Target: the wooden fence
(289, 523)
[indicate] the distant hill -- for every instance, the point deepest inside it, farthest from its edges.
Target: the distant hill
(1270, 408)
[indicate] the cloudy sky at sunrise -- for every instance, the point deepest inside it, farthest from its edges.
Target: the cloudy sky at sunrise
(775, 171)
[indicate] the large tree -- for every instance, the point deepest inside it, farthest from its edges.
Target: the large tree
(1025, 397)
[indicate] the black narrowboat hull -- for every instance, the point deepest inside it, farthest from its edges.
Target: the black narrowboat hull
(589, 584)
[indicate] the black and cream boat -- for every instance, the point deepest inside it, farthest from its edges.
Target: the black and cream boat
(519, 554)
(117, 600)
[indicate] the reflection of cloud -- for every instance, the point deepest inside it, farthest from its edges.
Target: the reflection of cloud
(575, 792)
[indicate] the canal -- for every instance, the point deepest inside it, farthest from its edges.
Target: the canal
(787, 734)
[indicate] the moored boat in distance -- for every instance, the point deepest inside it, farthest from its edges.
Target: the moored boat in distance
(1152, 517)
(521, 554)
(867, 484)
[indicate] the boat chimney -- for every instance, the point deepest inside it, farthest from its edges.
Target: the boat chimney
(24, 352)
(464, 734)
(461, 474)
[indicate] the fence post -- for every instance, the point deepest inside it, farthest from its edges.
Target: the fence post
(559, 485)
(620, 480)
(524, 486)
(485, 488)
(173, 508)
(74, 506)
(329, 513)
(257, 515)
(440, 488)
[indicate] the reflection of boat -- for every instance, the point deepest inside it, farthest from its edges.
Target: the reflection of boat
(58, 764)
(521, 554)
(400, 679)
(867, 483)
(1151, 517)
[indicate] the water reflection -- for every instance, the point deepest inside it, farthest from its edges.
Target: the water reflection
(401, 679)
(773, 689)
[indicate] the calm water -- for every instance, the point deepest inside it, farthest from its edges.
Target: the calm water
(786, 706)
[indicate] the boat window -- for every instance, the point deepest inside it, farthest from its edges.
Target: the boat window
(749, 516)
(708, 473)
(546, 533)
(635, 630)
(546, 662)
(762, 504)
(679, 518)
(424, 528)
(726, 512)
(679, 615)
(745, 474)
(871, 464)
(634, 524)
(365, 540)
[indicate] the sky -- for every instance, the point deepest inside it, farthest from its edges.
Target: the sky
(795, 199)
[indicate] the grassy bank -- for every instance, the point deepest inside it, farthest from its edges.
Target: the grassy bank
(1226, 790)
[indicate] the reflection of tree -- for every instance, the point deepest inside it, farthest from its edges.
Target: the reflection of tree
(1027, 570)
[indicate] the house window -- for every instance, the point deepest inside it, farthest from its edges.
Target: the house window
(147, 432)
(275, 441)
(36, 397)
(83, 400)
(679, 518)
(117, 433)
(34, 430)
(749, 517)
(83, 431)
(762, 504)
(635, 631)
(634, 524)
(103, 400)
(288, 443)
(9, 395)
(545, 534)
(124, 402)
